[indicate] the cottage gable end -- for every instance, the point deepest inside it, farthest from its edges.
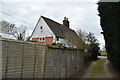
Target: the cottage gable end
(42, 30)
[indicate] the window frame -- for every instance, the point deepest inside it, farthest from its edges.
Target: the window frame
(42, 39)
(41, 27)
(57, 39)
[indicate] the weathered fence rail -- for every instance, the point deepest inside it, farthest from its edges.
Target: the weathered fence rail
(32, 60)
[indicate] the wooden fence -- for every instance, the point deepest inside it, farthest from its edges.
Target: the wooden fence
(32, 60)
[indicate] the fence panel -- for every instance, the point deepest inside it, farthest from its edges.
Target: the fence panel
(28, 61)
(49, 66)
(32, 60)
(14, 60)
(4, 57)
(39, 63)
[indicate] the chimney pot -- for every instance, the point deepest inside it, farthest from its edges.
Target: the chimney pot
(66, 22)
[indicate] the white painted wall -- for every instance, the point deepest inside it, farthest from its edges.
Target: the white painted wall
(65, 42)
(60, 40)
(45, 32)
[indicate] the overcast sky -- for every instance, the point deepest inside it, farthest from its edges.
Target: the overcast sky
(82, 14)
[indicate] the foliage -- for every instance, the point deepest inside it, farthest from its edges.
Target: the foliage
(110, 22)
(91, 38)
(94, 46)
(94, 50)
(58, 44)
(28, 38)
(87, 58)
(90, 43)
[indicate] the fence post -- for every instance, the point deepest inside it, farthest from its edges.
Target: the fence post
(45, 59)
(22, 60)
(6, 70)
(34, 61)
(66, 64)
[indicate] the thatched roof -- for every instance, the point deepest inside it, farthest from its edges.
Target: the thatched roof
(63, 31)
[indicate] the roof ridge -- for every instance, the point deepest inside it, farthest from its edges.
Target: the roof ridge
(55, 22)
(52, 20)
(57, 28)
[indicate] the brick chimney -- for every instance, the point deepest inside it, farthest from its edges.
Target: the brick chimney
(66, 22)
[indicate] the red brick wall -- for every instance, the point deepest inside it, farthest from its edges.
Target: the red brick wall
(48, 40)
(35, 39)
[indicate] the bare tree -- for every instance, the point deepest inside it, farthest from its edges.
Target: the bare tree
(17, 32)
(20, 33)
(82, 35)
(6, 27)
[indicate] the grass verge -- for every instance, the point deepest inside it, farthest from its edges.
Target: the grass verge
(103, 53)
(97, 69)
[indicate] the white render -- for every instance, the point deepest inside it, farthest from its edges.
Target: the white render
(46, 31)
(60, 40)
(65, 43)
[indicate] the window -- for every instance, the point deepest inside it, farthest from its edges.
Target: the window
(57, 39)
(42, 39)
(41, 27)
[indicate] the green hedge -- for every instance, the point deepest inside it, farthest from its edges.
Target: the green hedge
(109, 13)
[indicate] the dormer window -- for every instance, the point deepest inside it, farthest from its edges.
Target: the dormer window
(41, 27)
